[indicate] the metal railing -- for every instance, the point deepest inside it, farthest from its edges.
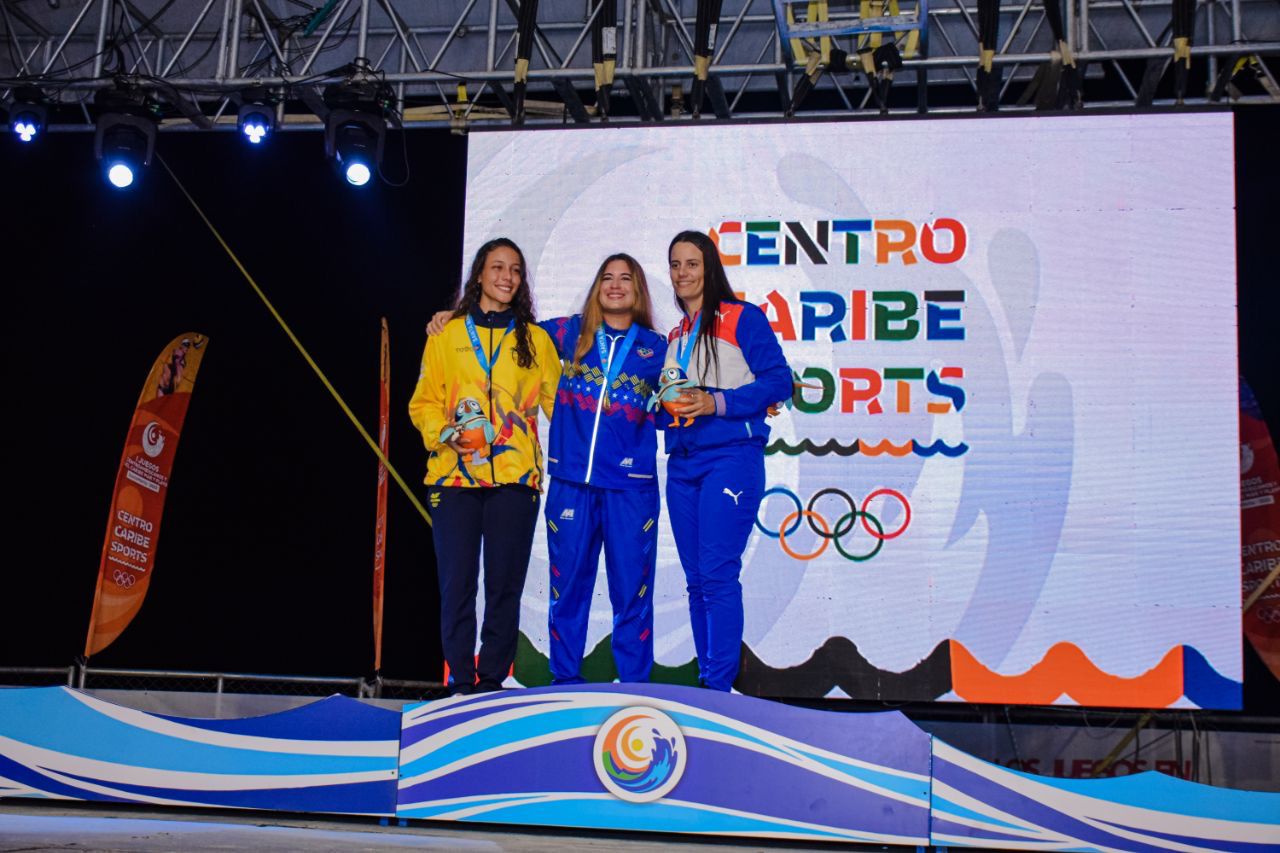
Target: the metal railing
(114, 678)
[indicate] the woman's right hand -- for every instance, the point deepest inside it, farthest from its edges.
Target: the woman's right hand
(438, 320)
(455, 445)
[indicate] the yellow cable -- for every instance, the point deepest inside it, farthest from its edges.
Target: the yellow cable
(377, 451)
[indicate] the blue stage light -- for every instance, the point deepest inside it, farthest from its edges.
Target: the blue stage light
(356, 127)
(28, 113)
(26, 126)
(123, 144)
(257, 118)
(358, 174)
(120, 175)
(255, 132)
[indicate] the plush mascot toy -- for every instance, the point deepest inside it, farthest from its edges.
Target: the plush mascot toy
(470, 427)
(673, 383)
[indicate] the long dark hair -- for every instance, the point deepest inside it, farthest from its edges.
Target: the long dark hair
(593, 316)
(715, 290)
(521, 303)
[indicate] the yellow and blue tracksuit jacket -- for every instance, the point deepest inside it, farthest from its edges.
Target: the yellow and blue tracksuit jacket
(509, 398)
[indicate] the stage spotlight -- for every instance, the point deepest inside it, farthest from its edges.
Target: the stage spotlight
(356, 128)
(28, 114)
(120, 175)
(257, 118)
(255, 127)
(358, 174)
(357, 150)
(124, 143)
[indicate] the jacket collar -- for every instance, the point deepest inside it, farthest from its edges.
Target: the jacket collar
(492, 319)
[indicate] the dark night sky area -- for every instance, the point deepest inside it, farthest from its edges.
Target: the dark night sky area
(265, 556)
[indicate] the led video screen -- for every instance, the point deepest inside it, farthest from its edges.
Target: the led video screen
(1018, 344)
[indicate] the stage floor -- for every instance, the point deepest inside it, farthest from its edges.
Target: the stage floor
(39, 827)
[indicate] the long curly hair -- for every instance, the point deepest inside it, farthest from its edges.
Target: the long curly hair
(521, 303)
(592, 316)
(715, 290)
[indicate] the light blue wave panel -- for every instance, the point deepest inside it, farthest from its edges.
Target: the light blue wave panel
(665, 758)
(979, 804)
(334, 755)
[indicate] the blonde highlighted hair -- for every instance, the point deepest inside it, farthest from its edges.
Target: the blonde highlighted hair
(593, 316)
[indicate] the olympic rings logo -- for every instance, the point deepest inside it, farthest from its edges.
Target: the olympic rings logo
(826, 533)
(123, 578)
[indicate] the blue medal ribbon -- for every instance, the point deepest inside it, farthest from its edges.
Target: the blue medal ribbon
(613, 367)
(686, 343)
(486, 363)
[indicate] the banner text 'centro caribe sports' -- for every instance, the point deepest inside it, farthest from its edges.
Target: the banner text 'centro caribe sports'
(1014, 476)
(142, 482)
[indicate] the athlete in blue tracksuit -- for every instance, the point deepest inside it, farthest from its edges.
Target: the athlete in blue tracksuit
(715, 474)
(601, 459)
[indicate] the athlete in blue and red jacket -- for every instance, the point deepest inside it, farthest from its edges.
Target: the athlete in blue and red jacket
(601, 458)
(715, 474)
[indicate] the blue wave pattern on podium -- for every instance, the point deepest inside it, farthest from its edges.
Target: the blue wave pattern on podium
(979, 804)
(751, 768)
(332, 755)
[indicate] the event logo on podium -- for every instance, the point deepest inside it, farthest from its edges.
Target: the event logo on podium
(639, 754)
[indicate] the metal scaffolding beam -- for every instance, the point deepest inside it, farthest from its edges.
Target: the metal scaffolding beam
(429, 51)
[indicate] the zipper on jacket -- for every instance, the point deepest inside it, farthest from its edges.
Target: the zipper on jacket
(493, 471)
(595, 430)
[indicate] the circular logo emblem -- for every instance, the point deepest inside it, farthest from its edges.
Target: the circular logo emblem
(152, 439)
(639, 754)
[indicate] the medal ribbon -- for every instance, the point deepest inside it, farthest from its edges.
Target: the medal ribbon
(686, 343)
(613, 367)
(486, 363)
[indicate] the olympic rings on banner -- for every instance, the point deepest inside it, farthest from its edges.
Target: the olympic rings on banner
(866, 516)
(905, 506)
(812, 516)
(779, 490)
(853, 511)
(123, 578)
(843, 526)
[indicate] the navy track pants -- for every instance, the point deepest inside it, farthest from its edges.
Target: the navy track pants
(503, 517)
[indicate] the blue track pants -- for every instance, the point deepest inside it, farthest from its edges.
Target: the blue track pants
(580, 519)
(712, 498)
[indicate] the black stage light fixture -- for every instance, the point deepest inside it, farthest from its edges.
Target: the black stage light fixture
(356, 128)
(125, 135)
(257, 116)
(28, 114)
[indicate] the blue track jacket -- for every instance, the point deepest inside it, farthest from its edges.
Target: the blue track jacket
(612, 446)
(753, 375)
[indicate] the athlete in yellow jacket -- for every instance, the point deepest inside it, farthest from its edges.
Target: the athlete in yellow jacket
(483, 380)
(455, 390)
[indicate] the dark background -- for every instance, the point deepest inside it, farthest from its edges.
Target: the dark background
(265, 556)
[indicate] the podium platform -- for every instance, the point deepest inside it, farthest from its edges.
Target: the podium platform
(644, 758)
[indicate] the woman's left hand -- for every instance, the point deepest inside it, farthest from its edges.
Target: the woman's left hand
(695, 403)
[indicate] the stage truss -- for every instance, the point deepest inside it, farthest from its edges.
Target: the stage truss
(451, 63)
